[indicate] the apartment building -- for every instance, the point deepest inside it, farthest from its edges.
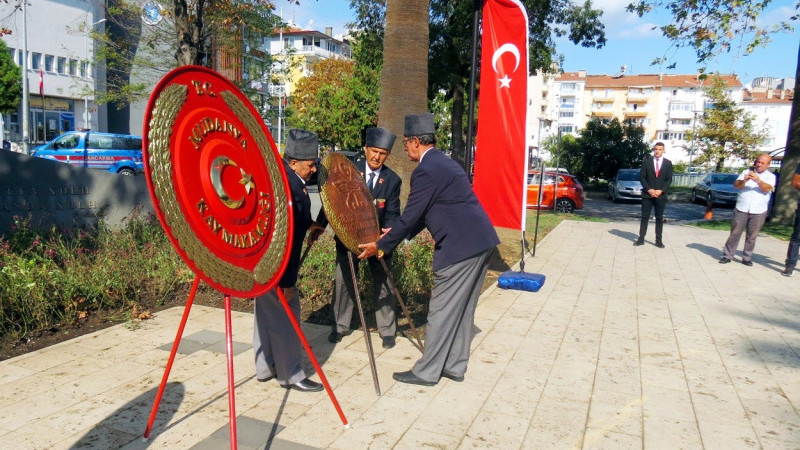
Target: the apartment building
(771, 110)
(59, 52)
(666, 106)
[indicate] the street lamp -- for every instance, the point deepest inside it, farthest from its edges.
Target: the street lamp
(691, 147)
(86, 117)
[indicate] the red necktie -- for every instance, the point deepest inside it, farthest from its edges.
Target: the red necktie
(658, 166)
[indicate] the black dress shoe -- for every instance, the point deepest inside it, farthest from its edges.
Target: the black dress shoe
(388, 341)
(747, 263)
(264, 380)
(660, 244)
(335, 337)
(724, 260)
(454, 377)
(410, 378)
(638, 243)
(305, 385)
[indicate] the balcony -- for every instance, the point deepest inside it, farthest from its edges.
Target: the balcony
(603, 99)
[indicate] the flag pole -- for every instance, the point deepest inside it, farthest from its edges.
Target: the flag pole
(473, 70)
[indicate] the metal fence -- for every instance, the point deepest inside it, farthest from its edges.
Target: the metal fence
(686, 179)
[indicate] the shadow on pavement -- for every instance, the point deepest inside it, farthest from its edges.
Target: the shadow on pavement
(624, 234)
(128, 423)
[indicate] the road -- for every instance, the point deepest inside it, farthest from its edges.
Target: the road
(676, 211)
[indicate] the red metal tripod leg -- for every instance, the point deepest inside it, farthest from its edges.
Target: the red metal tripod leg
(311, 356)
(175, 345)
(231, 386)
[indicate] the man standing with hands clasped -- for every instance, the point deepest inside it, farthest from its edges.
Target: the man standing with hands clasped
(656, 178)
(441, 199)
(755, 185)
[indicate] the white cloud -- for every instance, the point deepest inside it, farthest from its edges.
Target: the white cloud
(643, 30)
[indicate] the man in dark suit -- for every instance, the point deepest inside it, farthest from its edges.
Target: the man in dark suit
(278, 350)
(656, 178)
(441, 199)
(384, 185)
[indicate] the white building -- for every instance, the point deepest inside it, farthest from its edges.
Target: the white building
(771, 110)
(59, 47)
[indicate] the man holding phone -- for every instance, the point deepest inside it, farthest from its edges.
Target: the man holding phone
(755, 185)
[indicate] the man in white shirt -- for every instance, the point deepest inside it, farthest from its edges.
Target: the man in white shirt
(756, 185)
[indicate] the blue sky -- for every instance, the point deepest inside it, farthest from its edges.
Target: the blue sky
(631, 41)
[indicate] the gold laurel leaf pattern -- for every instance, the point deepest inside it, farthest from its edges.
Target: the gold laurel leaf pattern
(272, 258)
(166, 109)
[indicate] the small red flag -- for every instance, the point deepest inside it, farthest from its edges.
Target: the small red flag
(41, 82)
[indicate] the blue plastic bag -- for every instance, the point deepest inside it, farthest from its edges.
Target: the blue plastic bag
(521, 281)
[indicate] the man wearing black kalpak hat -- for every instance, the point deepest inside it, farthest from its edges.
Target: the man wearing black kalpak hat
(384, 186)
(441, 198)
(278, 350)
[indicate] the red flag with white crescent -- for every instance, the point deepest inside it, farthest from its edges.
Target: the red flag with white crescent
(41, 82)
(501, 156)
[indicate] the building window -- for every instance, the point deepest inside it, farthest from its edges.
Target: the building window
(566, 114)
(13, 54)
(73, 67)
(566, 128)
(680, 107)
(61, 65)
(20, 59)
(84, 69)
(48, 63)
(568, 87)
(36, 61)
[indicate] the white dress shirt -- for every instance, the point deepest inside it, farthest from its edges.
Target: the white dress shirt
(752, 199)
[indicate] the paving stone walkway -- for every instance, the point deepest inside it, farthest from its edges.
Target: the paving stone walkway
(623, 348)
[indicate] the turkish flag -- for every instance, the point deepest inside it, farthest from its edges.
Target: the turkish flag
(501, 156)
(41, 82)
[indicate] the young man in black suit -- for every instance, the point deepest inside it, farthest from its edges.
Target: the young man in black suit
(656, 178)
(441, 199)
(384, 185)
(278, 350)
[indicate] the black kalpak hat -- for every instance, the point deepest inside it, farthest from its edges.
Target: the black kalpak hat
(381, 138)
(302, 145)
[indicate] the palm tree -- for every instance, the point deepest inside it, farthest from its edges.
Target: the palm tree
(404, 80)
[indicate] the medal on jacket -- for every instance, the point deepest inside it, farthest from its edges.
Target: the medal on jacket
(217, 182)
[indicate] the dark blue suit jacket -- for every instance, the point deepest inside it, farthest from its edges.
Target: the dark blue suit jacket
(386, 195)
(301, 206)
(442, 200)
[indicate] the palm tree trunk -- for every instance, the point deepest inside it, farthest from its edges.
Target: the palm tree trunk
(785, 202)
(404, 80)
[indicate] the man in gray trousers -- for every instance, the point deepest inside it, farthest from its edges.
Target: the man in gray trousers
(278, 350)
(441, 198)
(384, 187)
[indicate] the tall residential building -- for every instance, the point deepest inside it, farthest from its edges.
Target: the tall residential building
(771, 110)
(666, 106)
(60, 51)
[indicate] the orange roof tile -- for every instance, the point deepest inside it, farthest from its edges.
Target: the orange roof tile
(644, 80)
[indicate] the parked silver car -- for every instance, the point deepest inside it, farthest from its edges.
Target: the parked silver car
(716, 188)
(625, 186)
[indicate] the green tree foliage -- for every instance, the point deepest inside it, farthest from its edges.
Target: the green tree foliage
(711, 27)
(368, 37)
(337, 101)
(451, 27)
(726, 130)
(604, 147)
(192, 32)
(10, 82)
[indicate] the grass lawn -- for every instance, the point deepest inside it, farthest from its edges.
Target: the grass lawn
(782, 232)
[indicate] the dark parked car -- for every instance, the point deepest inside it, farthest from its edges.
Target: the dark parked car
(625, 186)
(716, 188)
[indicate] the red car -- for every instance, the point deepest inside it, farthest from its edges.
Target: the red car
(570, 192)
